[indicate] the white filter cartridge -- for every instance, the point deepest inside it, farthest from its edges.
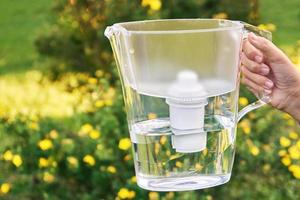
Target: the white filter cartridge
(187, 111)
(189, 143)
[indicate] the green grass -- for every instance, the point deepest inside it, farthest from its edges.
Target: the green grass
(20, 20)
(285, 14)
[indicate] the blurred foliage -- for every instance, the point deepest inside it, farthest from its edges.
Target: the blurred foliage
(67, 138)
(77, 42)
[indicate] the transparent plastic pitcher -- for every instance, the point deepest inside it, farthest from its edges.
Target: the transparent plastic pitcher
(180, 82)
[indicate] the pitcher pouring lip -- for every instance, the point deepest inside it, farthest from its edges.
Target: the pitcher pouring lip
(115, 29)
(109, 32)
(222, 25)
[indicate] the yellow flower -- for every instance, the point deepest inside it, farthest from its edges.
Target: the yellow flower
(99, 73)
(294, 152)
(245, 125)
(271, 27)
(67, 141)
(247, 130)
(291, 122)
(53, 134)
(154, 4)
(94, 134)
(293, 168)
(204, 152)
(100, 146)
(86, 128)
(168, 153)
(296, 172)
(43, 162)
(72, 161)
(54, 163)
(92, 81)
(5, 188)
(99, 103)
(268, 27)
(90, 160)
(48, 178)
(243, 101)
(266, 168)
(286, 116)
(8, 155)
(163, 140)
(133, 179)
(267, 147)
(153, 196)
(17, 160)
(298, 144)
(152, 115)
(72, 2)
(45, 144)
(220, 15)
(111, 169)
(34, 126)
(198, 167)
(293, 135)
(286, 160)
(285, 142)
(282, 153)
(178, 164)
(124, 193)
(251, 115)
(108, 102)
(124, 144)
(170, 195)
(209, 197)
(254, 150)
(131, 194)
(127, 157)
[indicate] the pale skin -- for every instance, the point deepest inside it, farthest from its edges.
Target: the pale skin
(267, 70)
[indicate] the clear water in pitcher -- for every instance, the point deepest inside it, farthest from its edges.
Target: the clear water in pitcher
(159, 167)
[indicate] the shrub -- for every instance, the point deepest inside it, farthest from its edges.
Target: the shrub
(80, 149)
(76, 41)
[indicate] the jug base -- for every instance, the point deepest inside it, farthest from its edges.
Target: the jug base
(182, 184)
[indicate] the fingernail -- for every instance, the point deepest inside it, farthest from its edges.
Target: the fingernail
(269, 84)
(253, 36)
(258, 59)
(264, 71)
(267, 91)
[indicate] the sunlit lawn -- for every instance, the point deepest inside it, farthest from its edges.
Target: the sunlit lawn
(286, 16)
(20, 22)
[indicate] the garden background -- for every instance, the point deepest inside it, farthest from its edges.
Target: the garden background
(63, 131)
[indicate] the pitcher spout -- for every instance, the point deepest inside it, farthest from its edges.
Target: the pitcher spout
(109, 32)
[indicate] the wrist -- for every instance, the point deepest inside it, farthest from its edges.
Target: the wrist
(294, 105)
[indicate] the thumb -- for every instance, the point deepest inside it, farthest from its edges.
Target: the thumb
(269, 50)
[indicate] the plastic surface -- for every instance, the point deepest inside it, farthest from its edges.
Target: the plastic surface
(187, 113)
(180, 80)
(152, 53)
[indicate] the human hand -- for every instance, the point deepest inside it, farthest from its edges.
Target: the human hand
(267, 70)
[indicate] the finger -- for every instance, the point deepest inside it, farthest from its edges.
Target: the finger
(255, 87)
(255, 67)
(251, 52)
(260, 80)
(265, 46)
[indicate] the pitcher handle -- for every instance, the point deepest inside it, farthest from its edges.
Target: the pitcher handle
(263, 98)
